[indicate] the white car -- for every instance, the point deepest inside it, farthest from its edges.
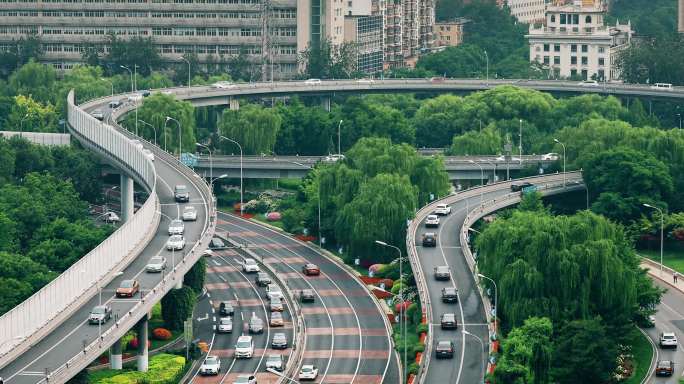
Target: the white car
(149, 154)
(312, 82)
(223, 85)
(250, 266)
(135, 97)
(225, 325)
(175, 242)
(273, 290)
(211, 366)
(208, 253)
(308, 372)
(98, 114)
(156, 264)
(176, 227)
(668, 340)
(244, 348)
(365, 81)
(111, 217)
(334, 158)
(245, 379)
(137, 144)
(432, 221)
(189, 213)
(550, 156)
(589, 83)
(442, 209)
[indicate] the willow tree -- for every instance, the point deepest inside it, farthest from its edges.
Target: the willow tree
(253, 126)
(563, 267)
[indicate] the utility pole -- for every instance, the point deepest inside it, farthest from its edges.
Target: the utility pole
(265, 39)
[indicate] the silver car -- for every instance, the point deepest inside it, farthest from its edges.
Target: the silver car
(176, 227)
(189, 213)
(275, 361)
(175, 242)
(156, 264)
(225, 325)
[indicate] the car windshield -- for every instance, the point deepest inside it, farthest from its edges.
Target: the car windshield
(211, 360)
(250, 261)
(432, 217)
(243, 344)
(175, 238)
(226, 321)
(176, 223)
(181, 188)
(98, 310)
(127, 284)
(307, 369)
(668, 337)
(156, 260)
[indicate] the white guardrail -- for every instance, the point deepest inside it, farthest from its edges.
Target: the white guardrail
(37, 316)
(546, 184)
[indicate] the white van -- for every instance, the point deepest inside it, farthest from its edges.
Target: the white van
(273, 290)
(662, 86)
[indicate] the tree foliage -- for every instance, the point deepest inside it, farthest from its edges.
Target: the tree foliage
(653, 61)
(527, 353)
(253, 126)
(154, 110)
(326, 61)
(195, 277)
(177, 307)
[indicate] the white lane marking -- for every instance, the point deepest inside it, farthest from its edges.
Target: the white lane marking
(213, 317)
(223, 279)
(216, 263)
(208, 294)
(206, 316)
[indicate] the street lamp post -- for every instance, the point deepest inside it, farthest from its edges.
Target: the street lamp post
(242, 207)
(487, 57)
(131, 73)
(680, 120)
(153, 128)
(496, 300)
(662, 228)
(484, 357)
(211, 160)
(187, 61)
(520, 140)
(481, 179)
(111, 83)
(21, 125)
(107, 196)
(211, 181)
(564, 174)
(180, 136)
(401, 298)
(339, 145)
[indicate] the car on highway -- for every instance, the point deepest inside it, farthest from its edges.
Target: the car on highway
(115, 104)
(208, 253)
(210, 366)
(156, 264)
(111, 217)
(250, 266)
(175, 243)
(444, 349)
(432, 221)
(448, 321)
(217, 244)
(588, 83)
(176, 227)
(145, 93)
(100, 314)
(365, 81)
(181, 193)
(226, 308)
(550, 156)
(310, 269)
(442, 209)
(225, 325)
(128, 288)
(437, 79)
(244, 347)
(442, 272)
(245, 379)
(275, 361)
(134, 98)
(312, 81)
(98, 114)
(334, 157)
(517, 187)
(662, 86)
(449, 295)
(276, 305)
(263, 279)
(256, 325)
(223, 85)
(279, 341)
(308, 372)
(307, 296)
(429, 239)
(273, 290)
(664, 368)
(189, 213)
(668, 340)
(148, 154)
(277, 319)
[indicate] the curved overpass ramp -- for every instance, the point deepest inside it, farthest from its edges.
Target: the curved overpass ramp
(472, 312)
(47, 338)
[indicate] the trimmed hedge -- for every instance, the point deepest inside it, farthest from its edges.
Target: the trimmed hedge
(163, 369)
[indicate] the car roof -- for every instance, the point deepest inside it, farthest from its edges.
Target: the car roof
(449, 315)
(668, 334)
(245, 338)
(429, 233)
(442, 267)
(450, 289)
(444, 343)
(307, 291)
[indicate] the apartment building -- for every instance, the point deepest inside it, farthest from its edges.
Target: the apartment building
(366, 33)
(575, 42)
(408, 31)
(449, 33)
(527, 11)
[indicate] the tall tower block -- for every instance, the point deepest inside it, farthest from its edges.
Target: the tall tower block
(681, 17)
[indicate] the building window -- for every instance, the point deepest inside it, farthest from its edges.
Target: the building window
(556, 60)
(585, 74)
(585, 60)
(556, 48)
(587, 19)
(573, 73)
(585, 48)
(601, 74)
(546, 59)
(573, 48)
(602, 61)
(553, 18)
(573, 60)
(546, 47)
(601, 50)
(562, 18)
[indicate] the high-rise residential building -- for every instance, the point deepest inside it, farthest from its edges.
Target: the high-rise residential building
(449, 33)
(681, 17)
(574, 42)
(366, 34)
(408, 31)
(527, 11)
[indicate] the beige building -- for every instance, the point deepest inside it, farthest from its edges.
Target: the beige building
(527, 11)
(366, 33)
(449, 33)
(574, 42)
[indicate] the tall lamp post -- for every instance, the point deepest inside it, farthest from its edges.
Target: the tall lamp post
(496, 300)
(107, 196)
(211, 181)
(520, 140)
(339, 145)
(111, 83)
(401, 298)
(481, 179)
(153, 129)
(484, 358)
(21, 125)
(487, 57)
(680, 120)
(662, 228)
(187, 61)
(211, 160)
(564, 174)
(242, 207)
(180, 136)
(131, 73)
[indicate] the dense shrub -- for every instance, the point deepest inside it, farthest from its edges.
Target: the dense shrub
(177, 307)
(161, 334)
(163, 369)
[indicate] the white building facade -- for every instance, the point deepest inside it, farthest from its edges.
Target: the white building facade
(527, 11)
(573, 42)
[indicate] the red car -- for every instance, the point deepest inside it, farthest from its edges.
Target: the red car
(128, 288)
(311, 270)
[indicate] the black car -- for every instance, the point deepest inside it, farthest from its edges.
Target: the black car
(429, 239)
(217, 243)
(263, 279)
(448, 321)
(449, 295)
(664, 368)
(226, 308)
(307, 296)
(520, 187)
(181, 194)
(444, 349)
(145, 93)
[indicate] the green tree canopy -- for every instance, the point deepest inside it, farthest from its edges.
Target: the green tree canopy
(154, 110)
(253, 126)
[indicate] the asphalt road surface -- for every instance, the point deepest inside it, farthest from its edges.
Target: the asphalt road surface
(669, 318)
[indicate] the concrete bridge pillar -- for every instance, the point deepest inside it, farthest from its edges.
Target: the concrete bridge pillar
(179, 284)
(127, 202)
(116, 355)
(325, 103)
(142, 345)
(233, 103)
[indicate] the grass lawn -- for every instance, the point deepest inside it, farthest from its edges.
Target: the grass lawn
(642, 351)
(673, 257)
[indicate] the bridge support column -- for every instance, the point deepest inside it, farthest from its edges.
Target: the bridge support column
(233, 103)
(325, 103)
(142, 344)
(127, 202)
(179, 284)
(116, 355)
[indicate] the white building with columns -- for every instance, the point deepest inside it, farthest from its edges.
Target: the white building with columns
(574, 42)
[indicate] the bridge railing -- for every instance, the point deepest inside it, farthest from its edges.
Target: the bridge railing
(37, 316)
(570, 177)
